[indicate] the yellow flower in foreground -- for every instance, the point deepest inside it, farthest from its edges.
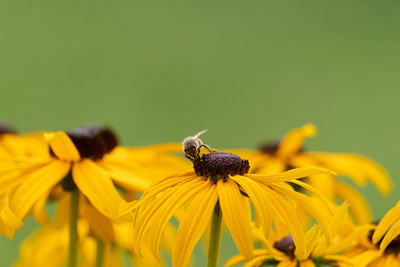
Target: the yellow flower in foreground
(289, 153)
(318, 250)
(220, 181)
(88, 158)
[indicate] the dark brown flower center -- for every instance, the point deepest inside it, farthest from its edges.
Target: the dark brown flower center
(5, 128)
(93, 141)
(286, 245)
(220, 165)
(270, 148)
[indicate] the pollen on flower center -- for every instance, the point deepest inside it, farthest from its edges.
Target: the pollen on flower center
(286, 245)
(93, 141)
(219, 165)
(5, 128)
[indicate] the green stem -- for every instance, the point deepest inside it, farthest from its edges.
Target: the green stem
(100, 253)
(73, 228)
(215, 235)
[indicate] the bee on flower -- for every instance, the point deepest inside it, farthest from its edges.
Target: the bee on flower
(220, 188)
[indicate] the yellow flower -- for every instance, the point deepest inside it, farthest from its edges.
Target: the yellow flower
(289, 153)
(88, 158)
(318, 250)
(222, 178)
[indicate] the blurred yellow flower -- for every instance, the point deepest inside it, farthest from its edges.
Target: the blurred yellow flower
(49, 246)
(220, 184)
(89, 158)
(289, 153)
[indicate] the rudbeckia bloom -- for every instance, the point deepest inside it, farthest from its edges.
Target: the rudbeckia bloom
(88, 158)
(221, 186)
(318, 251)
(289, 153)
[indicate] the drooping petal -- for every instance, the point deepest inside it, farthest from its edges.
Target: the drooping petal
(100, 226)
(235, 214)
(359, 168)
(294, 140)
(124, 176)
(260, 201)
(193, 225)
(97, 187)
(36, 185)
(39, 210)
(289, 175)
(321, 214)
(393, 232)
(288, 216)
(387, 221)
(358, 204)
(156, 214)
(62, 146)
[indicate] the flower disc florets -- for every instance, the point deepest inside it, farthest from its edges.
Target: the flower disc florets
(220, 165)
(286, 245)
(93, 141)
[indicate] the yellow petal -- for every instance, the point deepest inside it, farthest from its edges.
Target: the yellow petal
(124, 176)
(39, 210)
(357, 203)
(307, 263)
(256, 261)
(239, 258)
(287, 263)
(10, 222)
(387, 221)
(359, 168)
(318, 194)
(36, 185)
(155, 214)
(260, 201)
(62, 146)
(289, 175)
(393, 232)
(235, 214)
(320, 214)
(288, 216)
(294, 140)
(100, 226)
(193, 225)
(97, 187)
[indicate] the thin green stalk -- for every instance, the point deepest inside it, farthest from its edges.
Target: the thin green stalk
(100, 253)
(215, 236)
(73, 228)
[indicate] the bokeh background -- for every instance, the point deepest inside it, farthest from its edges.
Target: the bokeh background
(158, 71)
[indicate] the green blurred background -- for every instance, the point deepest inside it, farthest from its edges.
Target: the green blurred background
(247, 71)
